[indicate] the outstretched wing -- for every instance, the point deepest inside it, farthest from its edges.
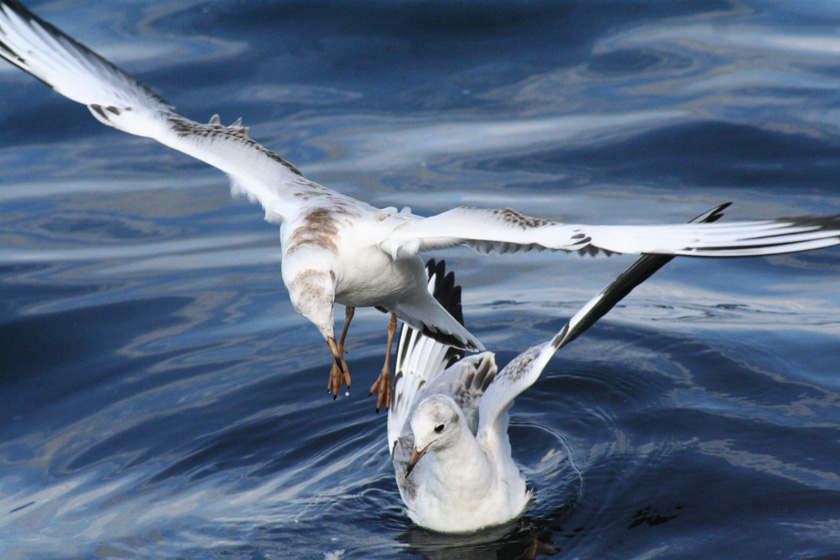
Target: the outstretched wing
(117, 99)
(526, 368)
(426, 367)
(421, 359)
(634, 275)
(509, 231)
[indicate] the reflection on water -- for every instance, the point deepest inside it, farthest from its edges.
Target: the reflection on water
(161, 399)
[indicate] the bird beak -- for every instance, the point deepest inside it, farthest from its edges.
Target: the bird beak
(336, 355)
(415, 456)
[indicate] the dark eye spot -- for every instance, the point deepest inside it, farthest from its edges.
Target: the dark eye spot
(439, 428)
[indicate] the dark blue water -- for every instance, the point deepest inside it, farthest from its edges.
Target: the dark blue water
(160, 398)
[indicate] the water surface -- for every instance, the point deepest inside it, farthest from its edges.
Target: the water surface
(161, 398)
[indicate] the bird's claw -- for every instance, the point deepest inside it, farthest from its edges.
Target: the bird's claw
(382, 388)
(339, 375)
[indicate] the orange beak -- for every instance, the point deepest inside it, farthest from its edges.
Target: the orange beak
(415, 456)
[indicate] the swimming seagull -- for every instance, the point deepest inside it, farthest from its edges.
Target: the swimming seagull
(337, 249)
(447, 428)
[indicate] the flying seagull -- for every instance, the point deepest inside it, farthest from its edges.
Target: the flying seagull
(337, 249)
(447, 428)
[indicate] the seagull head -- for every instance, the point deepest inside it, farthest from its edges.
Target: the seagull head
(312, 291)
(436, 425)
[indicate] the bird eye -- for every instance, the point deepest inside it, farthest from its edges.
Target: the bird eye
(439, 428)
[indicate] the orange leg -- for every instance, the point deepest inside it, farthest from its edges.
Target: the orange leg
(339, 374)
(382, 386)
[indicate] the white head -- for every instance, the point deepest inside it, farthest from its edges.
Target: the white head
(312, 292)
(436, 424)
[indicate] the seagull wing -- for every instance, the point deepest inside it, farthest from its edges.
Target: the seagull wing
(424, 367)
(119, 100)
(421, 359)
(642, 269)
(509, 231)
(526, 368)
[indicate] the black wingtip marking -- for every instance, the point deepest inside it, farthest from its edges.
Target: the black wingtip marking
(445, 291)
(814, 223)
(448, 294)
(642, 269)
(443, 338)
(99, 111)
(12, 56)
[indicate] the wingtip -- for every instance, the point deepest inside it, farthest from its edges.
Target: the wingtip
(712, 215)
(444, 289)
(476, 346)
